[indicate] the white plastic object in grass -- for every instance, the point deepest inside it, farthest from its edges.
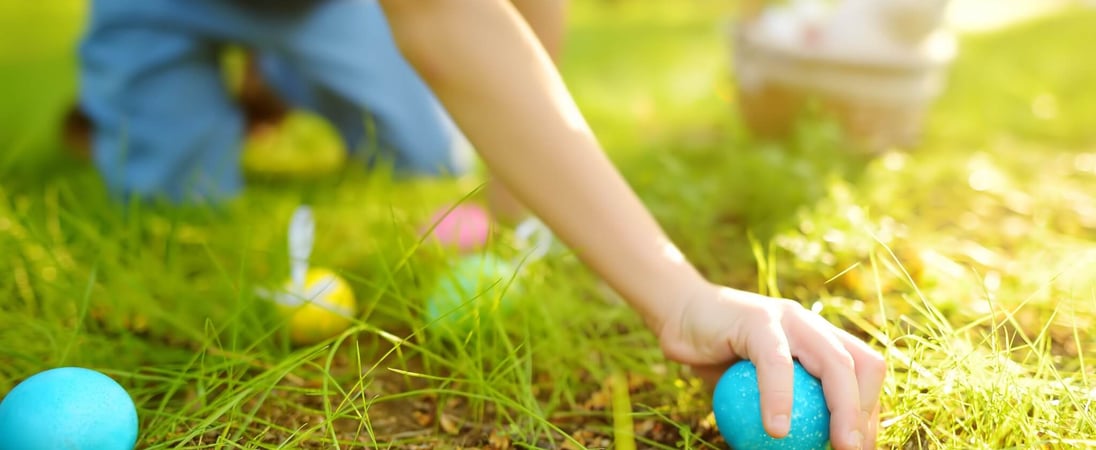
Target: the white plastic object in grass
(534, 235)
(302, 234)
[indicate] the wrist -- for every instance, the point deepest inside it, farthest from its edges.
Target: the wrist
(690, 333)
(671, 320)
(661, 293)
(663, 307)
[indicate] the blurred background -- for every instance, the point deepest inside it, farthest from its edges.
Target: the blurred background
(937, 185)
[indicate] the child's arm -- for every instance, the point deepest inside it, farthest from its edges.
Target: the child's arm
(485, 65)
(547, 20)
(500, 87)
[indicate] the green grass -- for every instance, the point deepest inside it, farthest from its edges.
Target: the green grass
(971, 261)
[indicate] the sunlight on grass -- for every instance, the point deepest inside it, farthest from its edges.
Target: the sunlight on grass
(969, 261)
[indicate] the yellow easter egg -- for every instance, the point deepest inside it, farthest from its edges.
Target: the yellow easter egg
(323, 310)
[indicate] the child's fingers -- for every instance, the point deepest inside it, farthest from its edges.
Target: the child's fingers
(873, 428)
(823, 354)
(768, 349)
(871, 369)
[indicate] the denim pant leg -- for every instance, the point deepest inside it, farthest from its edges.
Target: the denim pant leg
(340, 59)
(165, 126)
(295, 88)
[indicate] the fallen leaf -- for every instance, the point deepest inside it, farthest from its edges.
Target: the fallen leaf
(497, 441)
(449, 424)
(423, 419)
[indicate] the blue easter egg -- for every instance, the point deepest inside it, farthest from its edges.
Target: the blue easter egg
(477, 285)
(737, 407)
(68, 408)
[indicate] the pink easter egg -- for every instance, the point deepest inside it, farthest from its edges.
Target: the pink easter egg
(465, 227)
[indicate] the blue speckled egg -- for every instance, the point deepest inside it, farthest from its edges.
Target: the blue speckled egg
(477, 285)
(68, 408)
(737, 406)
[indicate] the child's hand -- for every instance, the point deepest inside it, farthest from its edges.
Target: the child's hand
(723, 325)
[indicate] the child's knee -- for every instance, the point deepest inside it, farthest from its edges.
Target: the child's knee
(149, 159)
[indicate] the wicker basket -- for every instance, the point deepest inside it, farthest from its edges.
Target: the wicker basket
(879, 102)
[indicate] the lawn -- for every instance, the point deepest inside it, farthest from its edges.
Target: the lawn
(970, 261)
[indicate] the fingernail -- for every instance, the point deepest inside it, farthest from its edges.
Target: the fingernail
(780, 423)
(856, 440)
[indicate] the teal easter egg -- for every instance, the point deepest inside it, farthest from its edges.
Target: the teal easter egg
(476, 287)
(737, 407)
(68, 408)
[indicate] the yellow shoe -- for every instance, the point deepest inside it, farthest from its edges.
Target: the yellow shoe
(302, 145)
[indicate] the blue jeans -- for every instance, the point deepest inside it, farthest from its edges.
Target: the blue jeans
(166, 125)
